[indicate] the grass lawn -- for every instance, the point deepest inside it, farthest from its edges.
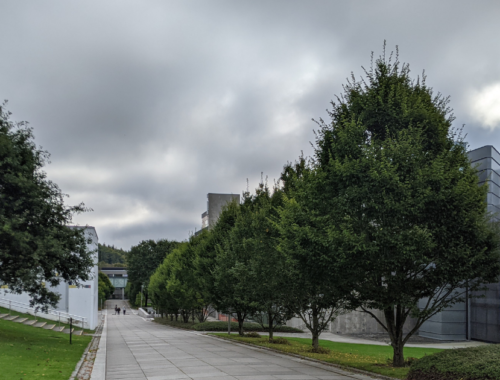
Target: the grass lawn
(28, 352)
(368, 357)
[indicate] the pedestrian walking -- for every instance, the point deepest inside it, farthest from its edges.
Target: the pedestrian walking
(123, 311)
(118, 310)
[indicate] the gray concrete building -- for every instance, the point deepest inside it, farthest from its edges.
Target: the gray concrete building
(215, 203)
(119, 279)
(479, 318)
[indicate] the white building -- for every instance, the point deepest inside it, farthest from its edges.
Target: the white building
(79, 303)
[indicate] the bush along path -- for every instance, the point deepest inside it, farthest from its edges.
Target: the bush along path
(475, 363)
(222, 326)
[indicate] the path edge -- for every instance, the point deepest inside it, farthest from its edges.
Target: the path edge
(344, 368)
(99, 369)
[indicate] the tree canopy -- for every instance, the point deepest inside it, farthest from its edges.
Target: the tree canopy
(37, 246)
(392, 191)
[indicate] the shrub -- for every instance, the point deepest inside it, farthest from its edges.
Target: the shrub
(279, 340)
(475, 363)
(247, 326)
(252, 335)
(319, 350)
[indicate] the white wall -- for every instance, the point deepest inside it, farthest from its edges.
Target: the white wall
(82, 302)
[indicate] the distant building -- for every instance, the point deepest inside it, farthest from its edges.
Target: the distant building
(215, 203)
(119, 279)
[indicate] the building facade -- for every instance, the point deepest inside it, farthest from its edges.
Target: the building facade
(215, 204)
(119, 279)
(478, 318)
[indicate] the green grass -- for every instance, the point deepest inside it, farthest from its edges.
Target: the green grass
(28, 352)
(372, 358)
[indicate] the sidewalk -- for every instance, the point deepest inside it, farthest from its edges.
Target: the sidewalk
(138, 349)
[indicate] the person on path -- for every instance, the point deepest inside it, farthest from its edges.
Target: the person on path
(118, 311)
(123, 311)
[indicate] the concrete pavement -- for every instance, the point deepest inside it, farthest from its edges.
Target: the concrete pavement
(141, 350)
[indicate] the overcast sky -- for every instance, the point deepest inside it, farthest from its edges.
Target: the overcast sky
(147, 106)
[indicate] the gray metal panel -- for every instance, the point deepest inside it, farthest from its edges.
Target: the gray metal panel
(484, 313)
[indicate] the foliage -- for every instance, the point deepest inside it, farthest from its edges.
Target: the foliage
(232, 255)
(106, 289)
(474, 363)
(27, 352)
(222, 326)
(316, 290)
(36, 244)
(372, 358)
(142, 261)
(111, 256)
(393, 196)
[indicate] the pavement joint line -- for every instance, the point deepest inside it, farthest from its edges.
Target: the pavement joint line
(344, 368)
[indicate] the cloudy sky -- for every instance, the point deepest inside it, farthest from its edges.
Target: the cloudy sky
(146, 106)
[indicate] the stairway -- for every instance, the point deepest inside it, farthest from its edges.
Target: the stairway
(35, 323)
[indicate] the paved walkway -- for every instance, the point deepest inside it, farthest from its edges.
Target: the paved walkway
(138, 349)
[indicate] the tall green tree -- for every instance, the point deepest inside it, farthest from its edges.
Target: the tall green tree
(36, 244)
(259, 267)
(229, 292)
(399, 201)
(142, 261)
(106, 288)
(317, 291)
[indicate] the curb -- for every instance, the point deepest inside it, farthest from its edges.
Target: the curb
(87, 355)
(344, 368)
(99, 368)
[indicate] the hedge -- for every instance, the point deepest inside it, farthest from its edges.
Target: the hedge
(475, 363)
(222, 326)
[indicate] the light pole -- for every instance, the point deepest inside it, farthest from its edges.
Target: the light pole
(142, 287)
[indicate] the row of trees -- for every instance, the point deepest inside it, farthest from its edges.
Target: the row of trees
(387, 213)
(106, 288)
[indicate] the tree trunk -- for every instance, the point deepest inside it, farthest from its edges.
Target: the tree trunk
(315, 340)
(241, 319)
(192, 315)
(176, 317)
(395, 322)
(314, 331)
(398, 359)
(270, 324)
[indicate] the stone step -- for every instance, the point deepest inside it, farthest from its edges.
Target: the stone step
(66, 331)
(79, 332)
(30, 322)
(58, 328)
(3, 315)
(11, 318)
(49, 327)
(20, 320)
(40, 324)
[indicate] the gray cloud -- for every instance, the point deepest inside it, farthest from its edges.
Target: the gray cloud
(148, 106)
